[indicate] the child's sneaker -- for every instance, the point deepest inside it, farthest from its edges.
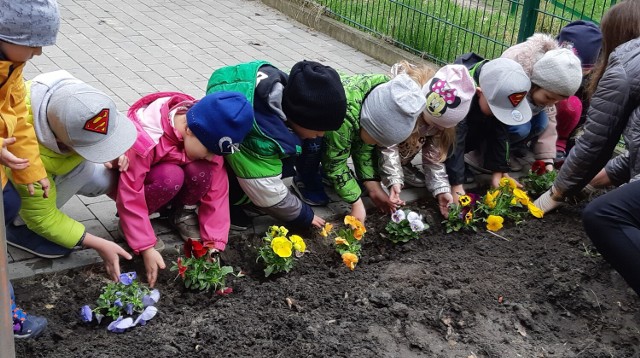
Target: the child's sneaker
(475, 160)
(313, 197)
(185, 221)
(413, 176)
(23, 238)
(26, 325)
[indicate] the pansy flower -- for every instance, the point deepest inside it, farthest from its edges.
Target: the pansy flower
(539, 167)
(341, 241)
(416, 225)
(326, 230)
(86, 313)
(128, 277)
(398, 216)
(350, 260)
(494, 222)
(298, 243)
(535, 211)
(468, 217)
(281, 246)
(464, 200)
(181, 269)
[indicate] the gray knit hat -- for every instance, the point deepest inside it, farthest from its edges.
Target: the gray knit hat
(558, 71)
(390, 111)
(32, 23)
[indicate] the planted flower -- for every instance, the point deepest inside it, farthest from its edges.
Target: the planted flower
(200, 269)
(125, 303)
(506, 202)
(348, 242)
(539, 180)
(405, 226)
(278, 250)
(462, 215)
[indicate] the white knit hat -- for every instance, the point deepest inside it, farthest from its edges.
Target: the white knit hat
(558, 71)
(390, 110)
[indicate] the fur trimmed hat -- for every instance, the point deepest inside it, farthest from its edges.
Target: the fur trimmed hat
(529, 52)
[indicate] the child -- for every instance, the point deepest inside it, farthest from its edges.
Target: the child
(25, 27)
(292, 113)
(449, 95)
(78, 129)
(555, 75)
(612, 221)
(177, 160)
(380, 112)
(500, 101)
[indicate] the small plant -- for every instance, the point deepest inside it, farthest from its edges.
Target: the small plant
(405, 226)
(278, 250)
(200, 270)
(538, 180)
(506, 201)
(348, 242)
(122, 300)
(462, 215)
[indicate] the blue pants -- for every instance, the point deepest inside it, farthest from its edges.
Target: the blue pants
(11, 203)
(612, 222)
(525, 132)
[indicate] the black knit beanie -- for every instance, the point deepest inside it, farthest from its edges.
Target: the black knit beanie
(314, 97)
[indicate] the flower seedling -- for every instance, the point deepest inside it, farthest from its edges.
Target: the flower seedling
(121, 301)
(405, 226)
(538, 180)
(278, 250)
(348, 242)
(462, 215)
(200, 268)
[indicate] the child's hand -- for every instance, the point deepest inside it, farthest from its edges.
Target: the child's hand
(122, 163)
(152, 262)
(317, 222)
(110, 253)
(8, 159)
(394, 194)
(358, 211)
(456, 191)
(444, 199)
(44, 183)
(495, 179)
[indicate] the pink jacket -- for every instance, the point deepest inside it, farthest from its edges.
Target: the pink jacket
(213, 213)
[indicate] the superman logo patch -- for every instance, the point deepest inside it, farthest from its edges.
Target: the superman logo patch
(98, 123)
(516, 98)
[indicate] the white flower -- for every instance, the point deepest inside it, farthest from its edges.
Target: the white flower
(398, 216)
(413, 216)
(416, 225)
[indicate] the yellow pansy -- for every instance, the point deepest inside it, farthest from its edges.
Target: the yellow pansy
(281, 246)
(359, 231)
(535, 211)
(494, 222)
(326, 230)
(283, 231)
(521, 196)
(464, 200)
(508, 182)
(273, 231)
(341, 241)
(350, 260)
(468, 217)
(352, 221)
(490, 198)
(298, 243)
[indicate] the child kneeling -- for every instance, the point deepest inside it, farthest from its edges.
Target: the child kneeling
(177, 160)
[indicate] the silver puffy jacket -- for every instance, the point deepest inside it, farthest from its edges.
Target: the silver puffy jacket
(393, 158)
(614, 111)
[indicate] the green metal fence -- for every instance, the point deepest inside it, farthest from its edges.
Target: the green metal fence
(440, 30)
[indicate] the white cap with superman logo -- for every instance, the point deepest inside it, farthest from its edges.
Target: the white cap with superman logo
(506, 85)
(87, 121)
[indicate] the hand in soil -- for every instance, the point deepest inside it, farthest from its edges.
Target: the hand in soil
(394, 194)
(317, 222)
(358, 211)
(444, 200)
(110, 253)
(385, 203)
(152, 262)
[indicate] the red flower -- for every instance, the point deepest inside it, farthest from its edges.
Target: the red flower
(198, 249)
(181, 269)
(224, 292)
(188, 246)
(539, 167)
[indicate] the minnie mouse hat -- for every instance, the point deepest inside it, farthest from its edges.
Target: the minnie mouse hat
(449, 94)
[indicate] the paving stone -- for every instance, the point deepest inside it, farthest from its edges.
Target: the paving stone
(105, 212)
(77, 210)
(93, 199)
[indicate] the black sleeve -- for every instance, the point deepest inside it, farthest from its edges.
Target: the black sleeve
(496, 156)
(455, 162)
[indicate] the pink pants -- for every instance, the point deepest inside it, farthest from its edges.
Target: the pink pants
(181, 185)
(569, 111)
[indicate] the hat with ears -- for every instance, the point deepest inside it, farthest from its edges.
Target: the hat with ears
(87, 120)
(32, 23)
(505, 86)
(221, 120)
(584, 38)
(314, 97)
(558, 71)
(390, 110)
(449, 94)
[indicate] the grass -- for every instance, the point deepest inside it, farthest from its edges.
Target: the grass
(440, 30)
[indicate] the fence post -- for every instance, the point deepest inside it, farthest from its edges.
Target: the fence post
(528, 20)
(7, 347)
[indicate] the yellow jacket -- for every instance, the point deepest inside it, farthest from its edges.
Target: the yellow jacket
(13, 123)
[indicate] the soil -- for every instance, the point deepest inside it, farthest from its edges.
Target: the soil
(545, 293)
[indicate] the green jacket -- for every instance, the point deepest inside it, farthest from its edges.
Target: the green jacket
(346, 142)
(42, 215)
(259, 162)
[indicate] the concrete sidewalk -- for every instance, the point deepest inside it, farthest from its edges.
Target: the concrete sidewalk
(133, 48)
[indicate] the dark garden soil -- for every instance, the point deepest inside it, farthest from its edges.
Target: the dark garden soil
(545, 293)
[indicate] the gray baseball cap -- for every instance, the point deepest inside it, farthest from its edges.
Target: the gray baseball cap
(87, 120)
(506, 85)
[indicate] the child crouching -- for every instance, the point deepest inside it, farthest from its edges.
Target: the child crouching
(177, 160)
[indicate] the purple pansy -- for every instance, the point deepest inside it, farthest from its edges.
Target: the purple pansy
(151, 299)
(86, 313)
(398, 216)
(118, 303)
(128, 277)
(146, 315)
(99, 317)
(120, 325)
(416, 225)
(129, 308)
